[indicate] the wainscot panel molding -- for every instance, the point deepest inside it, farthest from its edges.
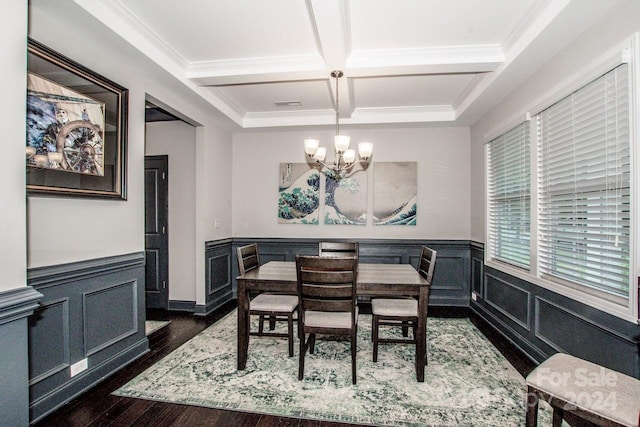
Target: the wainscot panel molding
(541, 322)
(450, 285)
(91, 312)
(218, 280)
(15, 307)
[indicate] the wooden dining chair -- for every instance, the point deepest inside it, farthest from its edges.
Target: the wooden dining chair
(327, 303)
(338, 249)
(269, 306)
(401, 312)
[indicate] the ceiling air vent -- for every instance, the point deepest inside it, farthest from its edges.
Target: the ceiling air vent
(288, 104)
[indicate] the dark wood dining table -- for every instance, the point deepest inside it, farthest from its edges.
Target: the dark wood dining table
(372, 280)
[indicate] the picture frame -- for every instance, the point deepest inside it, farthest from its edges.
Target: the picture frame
(76, 136)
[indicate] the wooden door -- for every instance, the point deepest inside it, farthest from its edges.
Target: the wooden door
(156, 215)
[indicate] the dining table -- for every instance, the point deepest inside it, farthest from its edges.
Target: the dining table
(374, 280)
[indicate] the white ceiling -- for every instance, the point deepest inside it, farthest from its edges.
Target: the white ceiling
(404, 61)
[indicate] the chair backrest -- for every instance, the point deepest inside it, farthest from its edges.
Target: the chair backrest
(248, 258)
(338, 249)
(326, 284)
(427, 263)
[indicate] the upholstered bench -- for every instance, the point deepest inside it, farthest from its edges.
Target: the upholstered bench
(592, 392)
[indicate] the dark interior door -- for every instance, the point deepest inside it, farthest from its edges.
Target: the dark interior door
(156, 238)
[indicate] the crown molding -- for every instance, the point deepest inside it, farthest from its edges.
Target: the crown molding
(257, 70)
(417, 114)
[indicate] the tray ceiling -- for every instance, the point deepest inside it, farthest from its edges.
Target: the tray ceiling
(268, 63)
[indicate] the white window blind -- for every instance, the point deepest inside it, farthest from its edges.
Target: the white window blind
(510, 197)
(584, 186)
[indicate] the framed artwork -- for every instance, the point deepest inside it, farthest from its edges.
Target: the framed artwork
(76, 136)
(298, 194)
(346, 198)
(395, 193)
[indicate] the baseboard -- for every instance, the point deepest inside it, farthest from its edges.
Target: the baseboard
(532, 352)
(202, 310)
(86, 380)
(177, 305)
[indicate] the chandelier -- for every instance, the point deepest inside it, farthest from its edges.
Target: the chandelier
(345, 157)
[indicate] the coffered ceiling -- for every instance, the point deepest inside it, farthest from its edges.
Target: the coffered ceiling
(267, 63)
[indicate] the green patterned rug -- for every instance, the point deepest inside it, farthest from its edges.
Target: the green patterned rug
(467, 381)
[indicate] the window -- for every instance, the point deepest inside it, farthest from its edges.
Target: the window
(510, 197)
(584, 186)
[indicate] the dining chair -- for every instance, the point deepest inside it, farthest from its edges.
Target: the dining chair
(338, 249)
(401, 312)
(267, 305)
(327, 303)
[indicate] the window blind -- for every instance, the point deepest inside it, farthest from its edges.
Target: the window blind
(584, 186)
(510, 197)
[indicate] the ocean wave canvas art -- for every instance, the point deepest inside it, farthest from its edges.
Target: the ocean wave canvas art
(299, 194)
(395, 193)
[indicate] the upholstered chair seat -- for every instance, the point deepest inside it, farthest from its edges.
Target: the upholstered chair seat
(327, 319)
(274, 303)
(395, 307)
(592, 392)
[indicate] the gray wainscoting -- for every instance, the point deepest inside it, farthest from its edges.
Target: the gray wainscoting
(541, 322)
(91, 311)
(450, 285)
(219, 261)
(15, 307)
(450, 281)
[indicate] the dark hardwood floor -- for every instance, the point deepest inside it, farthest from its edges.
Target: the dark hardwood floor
(98, 407)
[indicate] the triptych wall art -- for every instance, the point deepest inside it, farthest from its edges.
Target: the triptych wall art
(346, 199)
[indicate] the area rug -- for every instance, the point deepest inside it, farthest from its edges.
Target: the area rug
(467, 381)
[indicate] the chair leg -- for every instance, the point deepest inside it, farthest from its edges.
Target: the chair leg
(303, 350)
(373, 318)
(272, 323)
(374, 334)
(312, 343)
(531, 417)
(354, 351)
(290, 329)
(426, 344)
(405, 329)
(557, 416)
(261, 324)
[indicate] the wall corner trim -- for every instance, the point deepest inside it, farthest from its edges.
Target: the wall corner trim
(18, 303)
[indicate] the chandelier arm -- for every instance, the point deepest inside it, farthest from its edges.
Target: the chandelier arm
(341, 142)
(340, 167)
